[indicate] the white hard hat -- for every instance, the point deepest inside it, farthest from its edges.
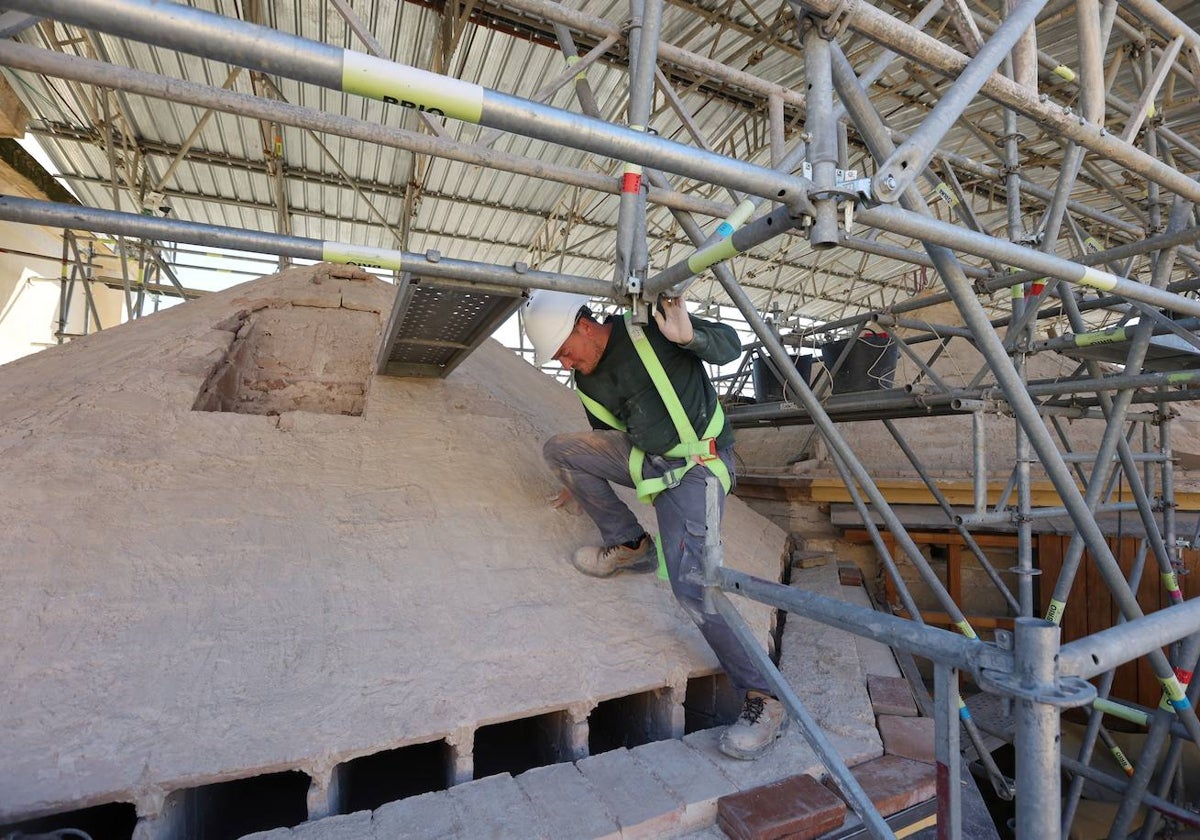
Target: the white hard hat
(549, 319)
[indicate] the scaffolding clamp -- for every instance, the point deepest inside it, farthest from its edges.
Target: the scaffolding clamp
(835, 23)
(1064, 693)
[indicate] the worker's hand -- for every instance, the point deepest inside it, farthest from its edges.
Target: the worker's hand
(565, 501)
(673, 322)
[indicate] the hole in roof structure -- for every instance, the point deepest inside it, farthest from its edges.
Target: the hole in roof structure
(710, 701)
(370, 781)
(519, 745)
(112, 821)
(630, 721)
(294, 358)
(229, 810)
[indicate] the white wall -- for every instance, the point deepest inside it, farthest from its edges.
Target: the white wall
(30, 293)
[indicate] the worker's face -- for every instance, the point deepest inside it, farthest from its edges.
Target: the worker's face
(583, 348)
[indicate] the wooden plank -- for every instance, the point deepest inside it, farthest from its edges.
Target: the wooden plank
(1103, 613)
(1049, 560)
(954, 573)
(912, 491)
(1079, 605)
(979, 622)
(860, 535)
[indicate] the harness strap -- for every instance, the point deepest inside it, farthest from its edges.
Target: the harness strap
(695, 449)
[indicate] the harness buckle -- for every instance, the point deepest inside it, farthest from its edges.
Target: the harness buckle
(712, 451)
(672, 478)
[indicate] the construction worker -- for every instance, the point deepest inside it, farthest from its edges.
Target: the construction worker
(657, 427)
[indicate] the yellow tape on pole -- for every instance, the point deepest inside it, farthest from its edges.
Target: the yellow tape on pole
(410, 87)
(361, 255)
(712, 255)
(1101, 280)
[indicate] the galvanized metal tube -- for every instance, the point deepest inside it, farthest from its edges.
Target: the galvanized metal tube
(946, 507)
(920, 639)
(1013, 388)
(1168, 495)
(854, 466)
(20, 56)
(74, 217)
(1169, 764)
(1170, 809)
(822, 143)
(881, 549)
(927, 229)
(881, 27)
(979, 458)
(1106, 649)
(1165, 21)
(776, 223)
(631, 254)
(1002, 517)
(1113, 442)
(1108, 301)
(1143, 771)
(895, 252)
(260, 48)
(1024, 569)
(906, 163)
(1086, 748)
(947, 752)
(838, 771)
(707, 67)
(1037, 734)
(925, 367)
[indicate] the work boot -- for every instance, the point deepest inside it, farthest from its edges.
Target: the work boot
(609, 560)
(761, 722)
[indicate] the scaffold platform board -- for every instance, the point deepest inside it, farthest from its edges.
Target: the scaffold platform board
(436, 323)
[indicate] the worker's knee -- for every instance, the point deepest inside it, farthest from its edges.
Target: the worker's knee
(591, 452)
(554, 451)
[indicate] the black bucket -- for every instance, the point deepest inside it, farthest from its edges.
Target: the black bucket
(870, 366)
(767, 386)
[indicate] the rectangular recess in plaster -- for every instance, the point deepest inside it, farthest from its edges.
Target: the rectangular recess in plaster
(294, 358)
(370, 781)
(629, 721)
(229, 810)
(710, 701)
(112, 821)
(515, 746)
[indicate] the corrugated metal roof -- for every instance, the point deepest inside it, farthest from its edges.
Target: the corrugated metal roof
(474, 213)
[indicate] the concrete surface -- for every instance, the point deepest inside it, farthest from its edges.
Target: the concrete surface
(196, 596)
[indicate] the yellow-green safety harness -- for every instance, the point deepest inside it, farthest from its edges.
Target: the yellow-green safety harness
(695, 449)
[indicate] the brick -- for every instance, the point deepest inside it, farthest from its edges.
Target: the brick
(908, 737)
(690, 775)
(796, 808)
(429, 816)
(876, 657)
(567, 803)
(850, 576)
(891, 696)
(371, 296)
(495, 808)
(895, 783)
(641, 804)
(822, 662)
(354, 826)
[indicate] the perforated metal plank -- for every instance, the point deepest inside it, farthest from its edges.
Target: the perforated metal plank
(1165, 353)
(436, 323)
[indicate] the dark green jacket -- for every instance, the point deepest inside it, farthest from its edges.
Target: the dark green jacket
(621, 384)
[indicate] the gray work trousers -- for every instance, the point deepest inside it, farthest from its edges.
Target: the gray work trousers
(588, 463)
